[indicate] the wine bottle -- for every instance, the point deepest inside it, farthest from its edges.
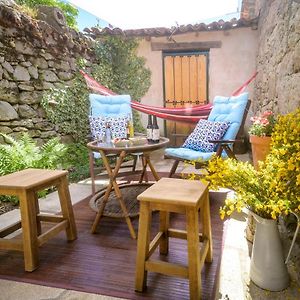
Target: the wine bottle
(149, 129)
(155, 131)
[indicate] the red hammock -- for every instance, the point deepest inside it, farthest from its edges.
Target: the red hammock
(183, 114)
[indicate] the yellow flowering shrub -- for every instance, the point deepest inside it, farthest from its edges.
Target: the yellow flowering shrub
(275, 188)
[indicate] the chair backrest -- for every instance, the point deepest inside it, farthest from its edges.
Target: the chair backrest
(110, 106)
(230, 109)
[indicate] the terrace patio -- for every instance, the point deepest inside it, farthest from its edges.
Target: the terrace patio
(104, 263)
(178, 68)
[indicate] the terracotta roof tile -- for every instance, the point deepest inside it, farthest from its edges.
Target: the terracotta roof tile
(163, 31)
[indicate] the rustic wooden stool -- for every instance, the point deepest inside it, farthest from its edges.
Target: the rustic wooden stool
(178, 196)
(25, 185)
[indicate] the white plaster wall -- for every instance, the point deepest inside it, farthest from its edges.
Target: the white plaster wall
(229, 66)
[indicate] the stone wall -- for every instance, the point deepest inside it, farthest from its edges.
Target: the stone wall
(34, 57)
(278, 61)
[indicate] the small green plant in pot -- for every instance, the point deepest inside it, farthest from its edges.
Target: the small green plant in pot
(260, 135)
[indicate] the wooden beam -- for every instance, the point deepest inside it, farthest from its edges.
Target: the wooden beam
(166, 268)
(10, 229)
(186, 46)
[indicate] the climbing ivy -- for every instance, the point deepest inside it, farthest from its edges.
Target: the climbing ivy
(119, 68)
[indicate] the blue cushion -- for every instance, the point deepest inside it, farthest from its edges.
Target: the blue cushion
(110, 106)
(229, 109)
(204, 131)
(189, 154)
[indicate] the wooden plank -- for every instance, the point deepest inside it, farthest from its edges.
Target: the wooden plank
(164, 223)
(202, 80)
(66, 208)
(169, 78)
(142, 247)
(29, 178)
(181, 234)
(154, 243)
(180, 192)
(50, 218)
(10, 229)
(194, 269)
(44, 237)
(193, 78)
(156, 46)
(185, 78)
(29, 229)
(166, 268)
(11, 244)
(178, 79)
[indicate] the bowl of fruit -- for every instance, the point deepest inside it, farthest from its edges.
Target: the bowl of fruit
(121, 142)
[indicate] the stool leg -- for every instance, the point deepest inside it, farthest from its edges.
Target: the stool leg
(194, 269)
(66, 208)
(164, 218)
(142, 246)
(37, 211)
(206, 226)
(29, 229)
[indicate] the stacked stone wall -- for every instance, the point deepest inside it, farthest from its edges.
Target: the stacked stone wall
(34, 57)
(278, 61)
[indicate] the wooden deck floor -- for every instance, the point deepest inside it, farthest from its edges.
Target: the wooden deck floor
(104, 263)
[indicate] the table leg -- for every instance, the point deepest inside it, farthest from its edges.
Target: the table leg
(148, 162)
(144, 163)
(112, 174)
(92, 172)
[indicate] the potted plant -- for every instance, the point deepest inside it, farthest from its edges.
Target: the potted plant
(260, 135)
(267, 192)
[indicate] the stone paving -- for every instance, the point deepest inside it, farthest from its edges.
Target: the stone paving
(234, 282)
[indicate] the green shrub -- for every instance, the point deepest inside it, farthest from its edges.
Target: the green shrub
(76, 160)
(70, 12)
(22, 154)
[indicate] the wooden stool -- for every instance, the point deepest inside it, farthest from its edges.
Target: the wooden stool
(178, 196)
(25, 185)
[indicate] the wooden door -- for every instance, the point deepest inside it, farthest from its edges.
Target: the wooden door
(185, 84)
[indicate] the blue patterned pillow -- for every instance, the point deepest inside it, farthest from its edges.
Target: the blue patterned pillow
(97, 126)
(117, 125)
(204, 132)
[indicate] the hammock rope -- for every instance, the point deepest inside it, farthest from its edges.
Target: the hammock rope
(191, 114)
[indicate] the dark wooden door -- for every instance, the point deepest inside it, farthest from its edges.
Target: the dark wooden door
(185, 84)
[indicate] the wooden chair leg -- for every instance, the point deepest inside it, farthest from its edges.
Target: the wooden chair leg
(174, 168)
(29, 229)
(142, 246)
(164, 220)
(36, 212)
(66, 208)
(206, 226)
(92, 172)
(135, 158)
(194, 268)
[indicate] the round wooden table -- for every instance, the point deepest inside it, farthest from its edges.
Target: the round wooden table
(109, 148)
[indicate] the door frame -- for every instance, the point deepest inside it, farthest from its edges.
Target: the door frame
(182, 53)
